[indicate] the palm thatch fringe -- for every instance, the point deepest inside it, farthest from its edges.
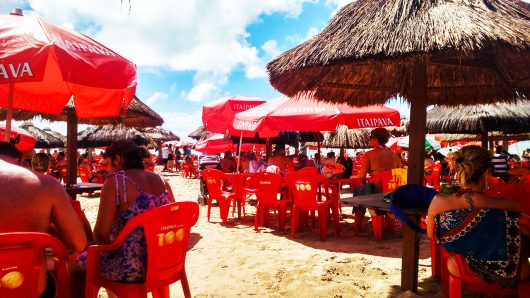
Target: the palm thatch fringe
(157, 134)
(476, 51)
(138, 114)
(101, 136)
(200, 134)
(44, 138)
(503, 117)
(493, 136)
(55, 134)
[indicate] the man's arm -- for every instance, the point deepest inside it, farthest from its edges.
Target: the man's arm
(65, 218)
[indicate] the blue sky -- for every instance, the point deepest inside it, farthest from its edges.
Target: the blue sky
(191, 52)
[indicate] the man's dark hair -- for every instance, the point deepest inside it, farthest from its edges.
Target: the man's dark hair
(498, 149)
(10, 150)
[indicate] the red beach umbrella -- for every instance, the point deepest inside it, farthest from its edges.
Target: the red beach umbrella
(43, 66)
(22, 139)
(304, 114)
(218, 115)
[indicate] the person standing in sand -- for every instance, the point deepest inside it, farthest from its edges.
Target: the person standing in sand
(32, 202)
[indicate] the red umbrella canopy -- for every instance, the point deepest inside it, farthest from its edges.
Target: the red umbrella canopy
(22, 139)
(42, 66)
(218, 116)
(217, 144)
(305, 114)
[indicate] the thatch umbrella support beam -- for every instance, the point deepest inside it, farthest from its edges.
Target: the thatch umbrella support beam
(484, 137)
(71, 144)
(418, 118)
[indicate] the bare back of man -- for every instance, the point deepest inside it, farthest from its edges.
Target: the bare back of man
(31, 202)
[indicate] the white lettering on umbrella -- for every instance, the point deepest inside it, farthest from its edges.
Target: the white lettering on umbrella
(293, 110)
(374, 122)
(246, 125)
(15, 71)
(243, 107)
(83, 47)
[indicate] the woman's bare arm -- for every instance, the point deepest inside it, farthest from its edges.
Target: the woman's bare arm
(106, 212)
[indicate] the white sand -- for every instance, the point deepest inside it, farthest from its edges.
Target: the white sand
(234, 261)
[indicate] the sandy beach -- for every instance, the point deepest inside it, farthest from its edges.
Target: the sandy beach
(233, 260)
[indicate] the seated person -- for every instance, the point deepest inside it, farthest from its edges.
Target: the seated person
(40, 163)
(347, 162)
(41, 202)
(147, 159)
(488, 228)
(279, 159)
(331, 169)
(129, 191)
(84, 163)
(228, 163)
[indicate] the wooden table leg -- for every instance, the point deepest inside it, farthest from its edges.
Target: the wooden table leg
(410, 256)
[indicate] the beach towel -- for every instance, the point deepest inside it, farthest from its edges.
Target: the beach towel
(410, 196)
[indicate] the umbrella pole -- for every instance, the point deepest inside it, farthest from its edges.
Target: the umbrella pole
(71, 151)
(239, 151)
(418, 118)
(319, 158)
(9, 112)
(484, 139)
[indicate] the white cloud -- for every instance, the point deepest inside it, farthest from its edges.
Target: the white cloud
(201, 92)
(338, 3)
(182, 124)
(271, 48)
(297, 39)
(205, 36)
(156, 97)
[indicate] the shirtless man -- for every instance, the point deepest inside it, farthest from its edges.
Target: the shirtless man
(31, 202)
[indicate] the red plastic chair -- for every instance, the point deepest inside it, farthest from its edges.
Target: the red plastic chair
(84, 174)
(306, 190)
(216, 181)
(167, 231)
(21, 261)
(186, 168)
(384, 182)
(267, 186)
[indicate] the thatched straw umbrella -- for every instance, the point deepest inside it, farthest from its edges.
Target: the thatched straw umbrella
(101, 136)
(44, 138)
(430, 52)
(157, 134)
(480, 119)
(137, 114)
(200, 134)
(55, 134)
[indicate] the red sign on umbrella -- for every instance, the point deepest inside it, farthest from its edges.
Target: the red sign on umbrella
(42, 66)
(304, 114)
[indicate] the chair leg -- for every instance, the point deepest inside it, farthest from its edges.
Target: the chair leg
(224, 208)
(91, 291)
(322, 222)
(281, 218)
(359, 217)
(389, 222)
(435, 260)
(455, 287)
(377, 225)
(294, 219)
(209, 208)
(185, 285)
(162, 292)
(256, 219)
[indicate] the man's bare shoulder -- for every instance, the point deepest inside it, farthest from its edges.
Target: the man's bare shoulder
(19, 178)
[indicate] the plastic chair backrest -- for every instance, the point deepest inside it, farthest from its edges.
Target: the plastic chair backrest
(167, 231)
(309, 169)
(21, 260)
(525, 180)
(303, 187)
(83, 174)
(266, 185)
(214, 180)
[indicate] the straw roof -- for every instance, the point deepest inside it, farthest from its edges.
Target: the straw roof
(101, 136)
(159, 134)
(476, 51)
(200, 134)
(138, 114)
(455, 137)
(55, 134)
(44, 139)
(504, 117)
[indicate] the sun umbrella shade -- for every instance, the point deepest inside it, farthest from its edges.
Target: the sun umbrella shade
(102, 136)
(219, 144)
(159, 134)
(43, 137)
(305, 114)
(22, 139)
(46, 65)
(505, 117)
(218, 116)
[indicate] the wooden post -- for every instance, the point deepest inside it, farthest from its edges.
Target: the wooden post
(484, 139)
(71, 152)
(417, 96)
(9, 112)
